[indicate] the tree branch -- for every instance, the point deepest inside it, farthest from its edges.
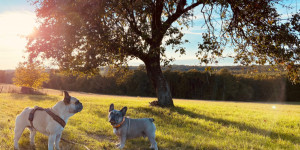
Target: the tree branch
(179, 11)
(134, 27)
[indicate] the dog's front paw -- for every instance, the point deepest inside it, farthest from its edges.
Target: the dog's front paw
(121, 146)
(153, 147)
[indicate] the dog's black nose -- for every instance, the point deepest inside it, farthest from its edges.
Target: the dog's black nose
(111, 120)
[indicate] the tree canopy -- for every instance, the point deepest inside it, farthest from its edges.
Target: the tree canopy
(83, 35)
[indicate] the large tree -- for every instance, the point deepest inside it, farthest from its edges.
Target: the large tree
(81, 35)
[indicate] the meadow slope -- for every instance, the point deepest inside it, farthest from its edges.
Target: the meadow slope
(190, 125)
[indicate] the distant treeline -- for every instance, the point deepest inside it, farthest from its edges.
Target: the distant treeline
(232, 69)
(192, 84)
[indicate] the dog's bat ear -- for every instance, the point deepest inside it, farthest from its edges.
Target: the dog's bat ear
(123, 110)
(111, 107)
(67, 98)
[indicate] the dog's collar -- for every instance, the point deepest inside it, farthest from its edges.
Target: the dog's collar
(119, 125)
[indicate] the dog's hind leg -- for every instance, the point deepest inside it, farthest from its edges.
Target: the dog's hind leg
(151, 138)
(32, 135)
(19, 128)
(18, 133)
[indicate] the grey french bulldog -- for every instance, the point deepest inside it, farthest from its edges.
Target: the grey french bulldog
(127, 128)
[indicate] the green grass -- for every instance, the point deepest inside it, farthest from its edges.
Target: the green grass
(190, 125)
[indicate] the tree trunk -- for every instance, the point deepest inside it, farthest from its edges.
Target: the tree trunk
(160, 83)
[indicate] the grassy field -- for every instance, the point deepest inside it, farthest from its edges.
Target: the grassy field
(190, 125)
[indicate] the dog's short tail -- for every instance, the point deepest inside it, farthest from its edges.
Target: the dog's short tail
(151, 119)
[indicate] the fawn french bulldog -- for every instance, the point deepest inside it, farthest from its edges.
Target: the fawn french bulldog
(49, 121)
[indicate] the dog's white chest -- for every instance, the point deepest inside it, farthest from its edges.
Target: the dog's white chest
(116, 131)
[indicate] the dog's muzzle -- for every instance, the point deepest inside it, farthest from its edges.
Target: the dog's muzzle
(79, 107)
(112, 121)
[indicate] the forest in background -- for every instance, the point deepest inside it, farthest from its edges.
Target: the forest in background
(229, 83)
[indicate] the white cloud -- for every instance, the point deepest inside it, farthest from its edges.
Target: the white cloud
(190, 32)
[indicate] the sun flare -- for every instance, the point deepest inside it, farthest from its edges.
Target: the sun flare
(17, 23)
(13, 27)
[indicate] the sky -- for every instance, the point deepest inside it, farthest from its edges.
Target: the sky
(17, 19)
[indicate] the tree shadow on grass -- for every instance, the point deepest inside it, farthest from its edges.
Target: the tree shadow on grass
(176, 127)
(41, 141)
(69, 143)
(181, 145)
(241, 126)
(167, 144)
(137, 144)
(34, 97)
